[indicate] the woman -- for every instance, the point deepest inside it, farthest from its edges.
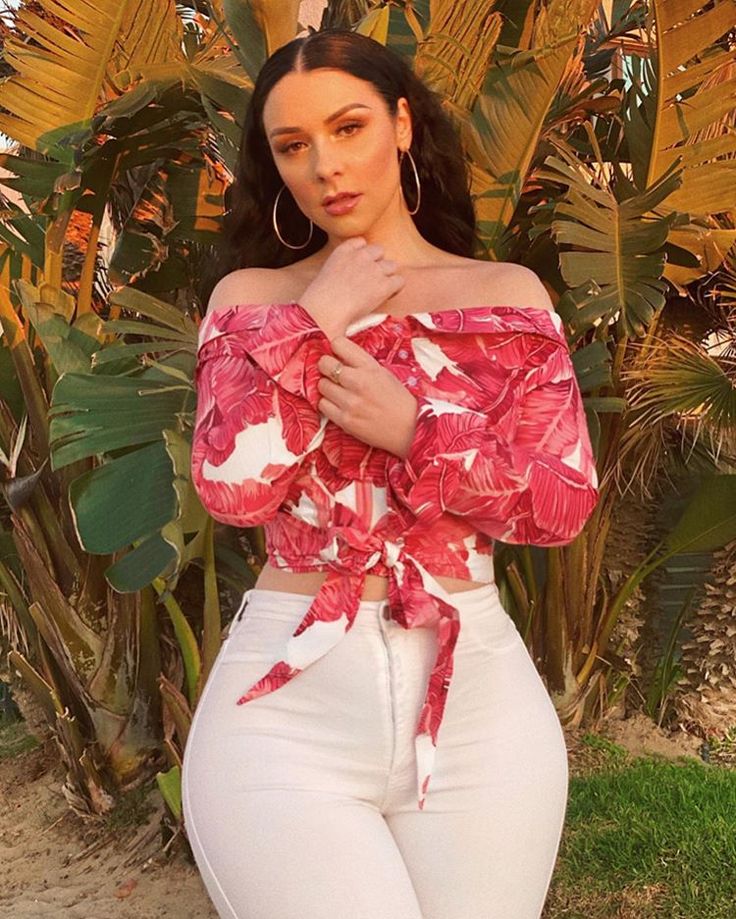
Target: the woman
(386, 405)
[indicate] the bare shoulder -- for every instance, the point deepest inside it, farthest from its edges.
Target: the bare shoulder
(514, 285)
(245, 285)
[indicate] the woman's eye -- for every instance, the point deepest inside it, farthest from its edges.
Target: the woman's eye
(351, 124)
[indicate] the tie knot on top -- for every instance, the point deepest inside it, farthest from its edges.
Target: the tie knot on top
(354, 549)
(384, 550)
(391, 550)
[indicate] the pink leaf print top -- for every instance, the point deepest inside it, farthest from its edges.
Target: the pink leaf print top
(501, 451)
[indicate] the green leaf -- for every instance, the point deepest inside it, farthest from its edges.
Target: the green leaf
(90, 414)
(139, 567)
(614, 256)
(709, 520)
(250, 47)
(125, 499)
(169, 784)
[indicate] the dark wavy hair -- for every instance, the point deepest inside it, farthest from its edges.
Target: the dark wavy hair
(446, 216)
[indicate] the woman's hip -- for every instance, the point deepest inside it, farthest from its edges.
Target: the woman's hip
(357, 707)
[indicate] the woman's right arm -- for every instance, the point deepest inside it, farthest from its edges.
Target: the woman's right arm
(256, 418)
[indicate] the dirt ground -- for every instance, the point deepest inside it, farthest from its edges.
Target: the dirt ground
(640, 736)
(53, 863)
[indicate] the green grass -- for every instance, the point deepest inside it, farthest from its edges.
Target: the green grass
(15, 739)
(647, 838)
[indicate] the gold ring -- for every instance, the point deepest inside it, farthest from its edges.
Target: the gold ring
(335, 372)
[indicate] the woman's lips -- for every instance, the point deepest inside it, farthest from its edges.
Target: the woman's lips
(342, 205)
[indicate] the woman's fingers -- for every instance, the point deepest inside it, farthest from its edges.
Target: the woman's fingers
(335, 392)
(346, 350)
(327, 367)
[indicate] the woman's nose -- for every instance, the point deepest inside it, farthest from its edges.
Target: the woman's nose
(325, 161)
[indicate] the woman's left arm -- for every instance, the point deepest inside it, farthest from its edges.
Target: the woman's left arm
(521, 467)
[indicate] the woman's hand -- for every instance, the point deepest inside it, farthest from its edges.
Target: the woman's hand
(353, 281)
(368, 401)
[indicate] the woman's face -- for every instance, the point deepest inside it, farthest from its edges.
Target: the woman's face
(340, 138)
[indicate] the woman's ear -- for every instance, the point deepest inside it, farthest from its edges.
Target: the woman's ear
(403, 124)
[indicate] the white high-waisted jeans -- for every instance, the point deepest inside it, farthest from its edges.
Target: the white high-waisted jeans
(301, 804)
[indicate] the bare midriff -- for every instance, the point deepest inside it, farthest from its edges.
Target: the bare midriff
(309, 582)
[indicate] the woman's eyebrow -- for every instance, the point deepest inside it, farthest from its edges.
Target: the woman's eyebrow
(329, 118)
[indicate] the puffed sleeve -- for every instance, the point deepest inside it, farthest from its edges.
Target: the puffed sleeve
(256, 417)
(521, 468)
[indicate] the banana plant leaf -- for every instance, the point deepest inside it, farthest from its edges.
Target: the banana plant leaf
(90, 415)
(35, 178)
(124, 499)
(707, 523)
(142, 565)
(53, 95)
(259, 28)
(508, 117)
(615, 258)
(691, 97)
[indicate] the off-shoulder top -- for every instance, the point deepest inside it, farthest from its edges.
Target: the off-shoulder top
(500, 450)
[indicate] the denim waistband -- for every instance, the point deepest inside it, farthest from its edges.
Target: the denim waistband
(286, 605)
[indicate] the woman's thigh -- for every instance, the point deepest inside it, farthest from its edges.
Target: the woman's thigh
(279, 794)
(486, 843)
(300, 855)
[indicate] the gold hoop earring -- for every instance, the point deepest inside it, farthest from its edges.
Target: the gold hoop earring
(416, 179)
(276, 227)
